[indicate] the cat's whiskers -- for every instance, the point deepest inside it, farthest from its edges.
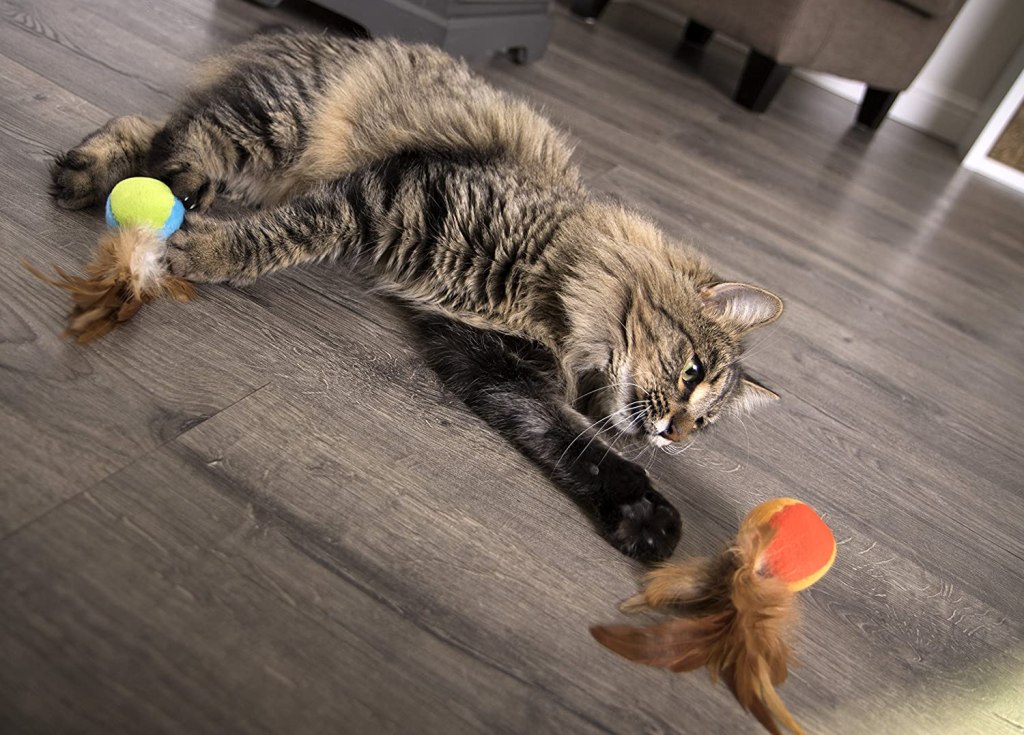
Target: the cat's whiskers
(611, 417)
(602, 421)
(637, 418)
(650, 461)
(675, 449)
(644, 448)
(577, 437)
(746, 433)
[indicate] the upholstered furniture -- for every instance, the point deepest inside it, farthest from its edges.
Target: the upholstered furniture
(881, 42)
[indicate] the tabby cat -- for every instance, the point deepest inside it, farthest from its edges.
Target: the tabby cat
(544, 307)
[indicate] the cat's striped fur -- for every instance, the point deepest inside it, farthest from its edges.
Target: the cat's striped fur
(462, 201)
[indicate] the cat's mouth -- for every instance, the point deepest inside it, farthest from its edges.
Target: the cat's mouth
(655, 432)
(674, 430)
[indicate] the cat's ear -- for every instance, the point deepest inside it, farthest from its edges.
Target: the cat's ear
(742, 306)
(751, 396)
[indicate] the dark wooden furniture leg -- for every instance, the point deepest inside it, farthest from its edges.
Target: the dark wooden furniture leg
(588, 10)
(874, 107)
(695, 38)
(762, 78)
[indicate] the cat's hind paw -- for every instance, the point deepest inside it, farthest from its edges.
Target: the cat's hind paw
(73, 179)
(84, 175)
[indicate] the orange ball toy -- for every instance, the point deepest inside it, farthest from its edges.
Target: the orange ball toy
(802, 548)
(733, 613)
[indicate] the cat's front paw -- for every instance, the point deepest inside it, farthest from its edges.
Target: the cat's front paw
(200, 251)
(189, 183)
(646, 529)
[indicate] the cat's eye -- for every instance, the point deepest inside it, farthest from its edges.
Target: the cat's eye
(693, 371)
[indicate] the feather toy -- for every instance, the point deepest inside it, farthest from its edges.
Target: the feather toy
(127, 268)
(734, 613)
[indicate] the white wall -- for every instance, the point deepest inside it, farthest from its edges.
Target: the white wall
(952, 87)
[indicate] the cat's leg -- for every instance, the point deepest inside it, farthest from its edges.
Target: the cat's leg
(193, 155)
(84, 175)
(319, 225)
(515, 392)
(187, 153)
(337, 219)
(225, 134)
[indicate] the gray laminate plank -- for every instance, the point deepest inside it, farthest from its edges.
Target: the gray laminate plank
(260, 512)
(71, 414)
(172, 603)
(917, 618)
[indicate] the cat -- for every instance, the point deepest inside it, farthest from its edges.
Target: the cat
(557, 316)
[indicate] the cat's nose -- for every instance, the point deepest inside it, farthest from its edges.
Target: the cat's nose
(679, 427)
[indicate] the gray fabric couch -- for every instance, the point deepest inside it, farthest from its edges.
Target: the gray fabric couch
(881, 42)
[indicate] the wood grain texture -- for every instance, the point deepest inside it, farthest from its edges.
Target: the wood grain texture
(261, 513)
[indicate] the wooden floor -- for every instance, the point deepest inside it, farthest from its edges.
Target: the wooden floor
(259, 513)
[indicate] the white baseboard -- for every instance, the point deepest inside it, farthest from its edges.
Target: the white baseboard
(943, 114)
(997, 171)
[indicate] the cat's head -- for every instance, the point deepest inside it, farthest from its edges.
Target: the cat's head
(656, 336)
(676, 363)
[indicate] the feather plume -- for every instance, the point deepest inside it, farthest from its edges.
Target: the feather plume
(125, 272)
(728, 616)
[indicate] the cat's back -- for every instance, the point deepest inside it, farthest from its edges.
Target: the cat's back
(375, 99)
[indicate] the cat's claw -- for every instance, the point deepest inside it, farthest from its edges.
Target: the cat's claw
(647, 529)
(190, 184)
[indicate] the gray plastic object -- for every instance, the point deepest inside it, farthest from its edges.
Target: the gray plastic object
(470, 28)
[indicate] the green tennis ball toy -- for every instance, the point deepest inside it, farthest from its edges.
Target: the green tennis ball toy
(127, 268)
(144, 202)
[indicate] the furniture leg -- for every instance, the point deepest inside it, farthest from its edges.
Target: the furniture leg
(762, 78)
(875, 106)
(695, 38)
(588, 10)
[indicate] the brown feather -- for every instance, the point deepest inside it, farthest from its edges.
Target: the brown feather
(728, 617)
(120, 278)
(698, 582)
(680, 644)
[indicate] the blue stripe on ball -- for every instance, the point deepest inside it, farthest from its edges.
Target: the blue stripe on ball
(174, 219)
(111, 222)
